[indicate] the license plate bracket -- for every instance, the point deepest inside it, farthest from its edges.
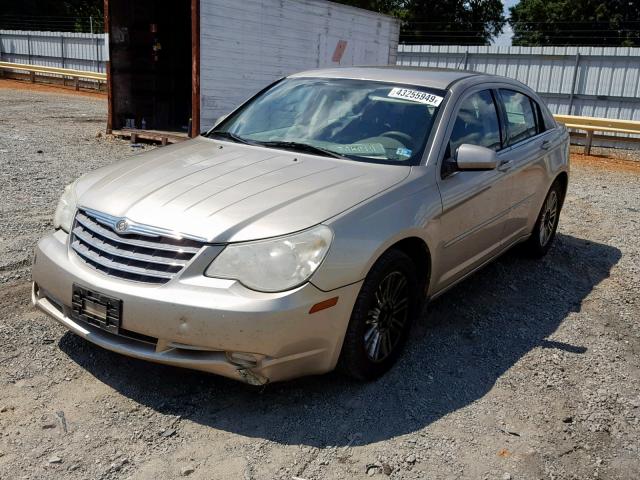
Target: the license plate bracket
(96, 309)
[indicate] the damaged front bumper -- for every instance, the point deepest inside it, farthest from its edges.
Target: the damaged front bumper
(207, 324)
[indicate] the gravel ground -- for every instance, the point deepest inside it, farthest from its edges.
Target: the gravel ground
(528, 370)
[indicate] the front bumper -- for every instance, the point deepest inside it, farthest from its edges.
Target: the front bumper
(199, 322)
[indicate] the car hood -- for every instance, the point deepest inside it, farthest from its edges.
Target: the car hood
(226, 192)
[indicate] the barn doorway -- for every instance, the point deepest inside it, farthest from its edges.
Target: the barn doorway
(151, 55)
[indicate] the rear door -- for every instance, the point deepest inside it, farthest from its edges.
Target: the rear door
(527, 146)
(475, 203)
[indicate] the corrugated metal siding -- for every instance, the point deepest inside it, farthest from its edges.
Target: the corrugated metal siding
(247, 45)
(607, 78)
(80, 51)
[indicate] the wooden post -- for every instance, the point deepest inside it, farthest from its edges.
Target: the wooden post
(76, 82)
(588, 142)
(195, 68)
(107, 28)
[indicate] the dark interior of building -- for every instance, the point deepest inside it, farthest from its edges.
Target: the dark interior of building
(151, 53)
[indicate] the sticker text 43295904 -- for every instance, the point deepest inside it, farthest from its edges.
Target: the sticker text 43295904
(415, 96)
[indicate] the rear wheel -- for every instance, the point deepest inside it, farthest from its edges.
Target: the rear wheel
(382, 317)
(544, 230)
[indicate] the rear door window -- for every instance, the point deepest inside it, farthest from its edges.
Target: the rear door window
(520, 116)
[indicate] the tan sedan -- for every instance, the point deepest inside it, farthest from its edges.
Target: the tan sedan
(306, 229)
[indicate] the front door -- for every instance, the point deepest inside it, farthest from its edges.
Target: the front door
(474, 203)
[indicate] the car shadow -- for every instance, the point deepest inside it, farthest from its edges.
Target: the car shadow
(467, 339)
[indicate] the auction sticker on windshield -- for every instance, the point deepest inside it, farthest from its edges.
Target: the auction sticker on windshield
(361, 149)
(415, 96)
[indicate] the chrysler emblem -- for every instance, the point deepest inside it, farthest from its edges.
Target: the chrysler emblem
(122, 226)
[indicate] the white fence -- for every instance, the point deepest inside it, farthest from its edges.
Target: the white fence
(79, 51)
(587, 81)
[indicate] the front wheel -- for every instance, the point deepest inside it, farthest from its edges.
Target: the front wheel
(382, 317)
(544, 230)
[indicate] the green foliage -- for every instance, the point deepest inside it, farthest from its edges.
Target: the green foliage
(462, 22)
(55, 15)
(576, 22)
(459, 22)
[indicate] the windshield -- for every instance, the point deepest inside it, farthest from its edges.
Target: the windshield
(357, 119)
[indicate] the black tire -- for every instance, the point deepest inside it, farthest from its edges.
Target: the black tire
(544, 231)
(392, 322)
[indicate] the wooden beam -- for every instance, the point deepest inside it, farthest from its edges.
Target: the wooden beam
(600, 124)
(159, 136)
(65, 72)
(195, 68)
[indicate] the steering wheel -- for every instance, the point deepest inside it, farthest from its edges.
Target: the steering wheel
(400, 136)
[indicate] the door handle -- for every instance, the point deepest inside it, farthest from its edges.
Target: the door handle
(504, 166)
(546, 145)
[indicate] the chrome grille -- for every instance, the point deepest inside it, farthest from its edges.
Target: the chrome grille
(148, 258)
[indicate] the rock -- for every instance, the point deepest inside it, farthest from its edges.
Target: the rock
(372, 469)
(410, 459)
(184, 471)
(74, 467)
(3, 409)
(169, 432)
(567, 419)
(54, 459)
(506, 476)
(62, 419)
(49, 423)
(386, 469)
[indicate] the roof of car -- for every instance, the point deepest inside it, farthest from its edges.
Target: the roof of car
(440, 78)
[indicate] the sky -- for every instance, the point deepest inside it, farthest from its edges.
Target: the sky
(505, 38)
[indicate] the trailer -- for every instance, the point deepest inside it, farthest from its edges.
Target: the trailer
(176, 66)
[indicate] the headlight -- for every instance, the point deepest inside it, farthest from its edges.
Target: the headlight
(274, 265)
(66, 209)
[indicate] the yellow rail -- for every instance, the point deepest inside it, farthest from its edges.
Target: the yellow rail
(595, 124)
(64, 72)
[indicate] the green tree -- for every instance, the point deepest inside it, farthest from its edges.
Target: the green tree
(459, 22)
(576, 22)
(55, 15)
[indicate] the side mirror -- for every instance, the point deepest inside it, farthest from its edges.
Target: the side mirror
(475, 157)
(219, 120)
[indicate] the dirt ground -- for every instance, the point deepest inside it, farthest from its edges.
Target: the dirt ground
(50, 88)
(527, 370)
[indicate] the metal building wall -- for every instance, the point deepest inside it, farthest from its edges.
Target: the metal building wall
(246, 45)
(588, 81)
(80, 51)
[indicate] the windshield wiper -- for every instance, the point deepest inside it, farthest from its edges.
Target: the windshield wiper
(301, 147)
(230, 136)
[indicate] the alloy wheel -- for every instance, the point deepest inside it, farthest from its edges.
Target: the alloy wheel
(549, 216)
(387, 317)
